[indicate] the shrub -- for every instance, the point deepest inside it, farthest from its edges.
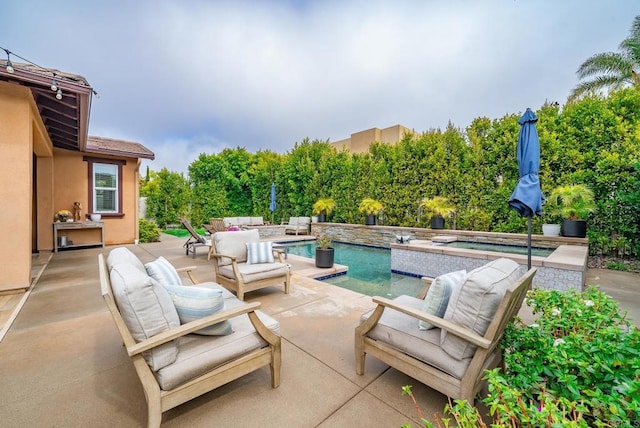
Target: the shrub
(577, 365)
(149, 232)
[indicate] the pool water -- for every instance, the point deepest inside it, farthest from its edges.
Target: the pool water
(501, 248)
(369, 270)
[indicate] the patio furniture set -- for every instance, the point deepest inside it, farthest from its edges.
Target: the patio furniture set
(185, 340)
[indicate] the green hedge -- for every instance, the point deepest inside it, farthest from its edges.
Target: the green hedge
(594, 141)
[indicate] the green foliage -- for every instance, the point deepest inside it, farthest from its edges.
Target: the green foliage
(612, 69)
(438, 206)
(324, 206)
(369, 206)
(167, 196)
(149, 232)
(573, 202)
(577, 366)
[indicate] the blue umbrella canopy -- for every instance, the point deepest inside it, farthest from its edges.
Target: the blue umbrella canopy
(272, 205)
(527, 197)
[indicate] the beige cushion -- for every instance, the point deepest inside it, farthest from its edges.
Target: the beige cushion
(304, 221)
(234, 244)
(146, 309)
(293, 221)
(401, 331)
(474, 304)
(251, 273)
(124, 255)
(244, 221)
(230, 221)
(200, 354)
(437, 298)
(163, 272)
(257, 221)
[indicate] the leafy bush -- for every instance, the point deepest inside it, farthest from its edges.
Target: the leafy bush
(149, 232)
(578, 365)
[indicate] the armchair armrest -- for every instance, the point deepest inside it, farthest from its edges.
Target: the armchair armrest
(423, 293)
(279, 253)
(219, 256)
(466, 334)
(187, 270)
(174, 333)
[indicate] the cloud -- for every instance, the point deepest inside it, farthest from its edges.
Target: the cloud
(185, 78)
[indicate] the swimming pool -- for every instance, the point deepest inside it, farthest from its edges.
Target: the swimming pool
(369, 270)
(501, 248)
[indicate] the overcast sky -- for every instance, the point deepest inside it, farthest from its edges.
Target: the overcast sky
(190, 77)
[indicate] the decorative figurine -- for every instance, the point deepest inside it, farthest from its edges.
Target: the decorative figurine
(77, 211)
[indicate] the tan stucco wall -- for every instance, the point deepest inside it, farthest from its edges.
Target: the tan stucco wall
(17, 112)
(71, 184)
(359, 142)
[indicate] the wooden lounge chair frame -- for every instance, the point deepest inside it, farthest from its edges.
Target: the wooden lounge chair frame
(195, 239)
(487, 356)
(158, 400)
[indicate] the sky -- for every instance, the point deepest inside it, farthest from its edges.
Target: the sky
(191, 77)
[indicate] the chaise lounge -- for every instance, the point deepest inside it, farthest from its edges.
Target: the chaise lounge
(297, 225)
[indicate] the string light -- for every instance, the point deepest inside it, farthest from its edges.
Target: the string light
(55, 79)
(9, 65)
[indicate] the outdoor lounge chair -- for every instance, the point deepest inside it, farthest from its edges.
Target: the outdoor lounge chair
(298, 224)
(215, 225)
(241, 270)
(453, 355)
(174, 365)
(195, 239)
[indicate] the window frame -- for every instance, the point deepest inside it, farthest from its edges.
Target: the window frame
(91, 161)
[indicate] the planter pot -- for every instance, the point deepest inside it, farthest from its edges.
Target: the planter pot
(322, 218)
(437, 222)
(551, 229)
(574, 228)
(370, 220)
(324, 257)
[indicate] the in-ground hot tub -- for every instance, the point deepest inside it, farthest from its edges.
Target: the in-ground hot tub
(562, 268)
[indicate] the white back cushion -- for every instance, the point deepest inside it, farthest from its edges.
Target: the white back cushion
(195, 302)
(474, 304)
(234, 244)
(146, 309)
(124, 255)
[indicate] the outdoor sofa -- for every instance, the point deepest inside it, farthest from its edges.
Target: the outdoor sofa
(243, 222)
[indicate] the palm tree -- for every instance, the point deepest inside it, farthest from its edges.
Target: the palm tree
(612, 69)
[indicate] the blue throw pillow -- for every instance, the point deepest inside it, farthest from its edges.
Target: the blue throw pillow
(260, 252)
(437, 298)
(193, 302)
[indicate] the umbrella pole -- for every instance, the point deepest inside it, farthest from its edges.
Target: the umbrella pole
(529, 243)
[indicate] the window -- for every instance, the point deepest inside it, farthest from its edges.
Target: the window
(105, 186)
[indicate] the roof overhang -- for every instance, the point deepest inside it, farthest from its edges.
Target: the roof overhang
(66, 120)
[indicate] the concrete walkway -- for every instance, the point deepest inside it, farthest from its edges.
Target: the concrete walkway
(63, 364)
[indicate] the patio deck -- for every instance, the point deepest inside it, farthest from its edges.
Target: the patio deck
(63, 363)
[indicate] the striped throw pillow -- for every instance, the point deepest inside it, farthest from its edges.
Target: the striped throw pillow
(193, 302)
(163, 272)
(260, 252)
(437, 298)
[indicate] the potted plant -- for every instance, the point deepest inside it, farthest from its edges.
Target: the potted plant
(324, 252)
(370, 207)
(323, 207)
(439, 207)
(551, 225)
(574, 203)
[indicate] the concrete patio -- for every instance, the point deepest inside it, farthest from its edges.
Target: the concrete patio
(63, 363)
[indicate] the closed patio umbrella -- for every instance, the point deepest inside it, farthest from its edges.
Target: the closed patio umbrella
(527, 197)
(272, 204)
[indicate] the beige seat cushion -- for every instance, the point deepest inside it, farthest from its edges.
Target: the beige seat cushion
(474, 304)
(234, 244)
(401, 331)
(200, 354)
(255, 272)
